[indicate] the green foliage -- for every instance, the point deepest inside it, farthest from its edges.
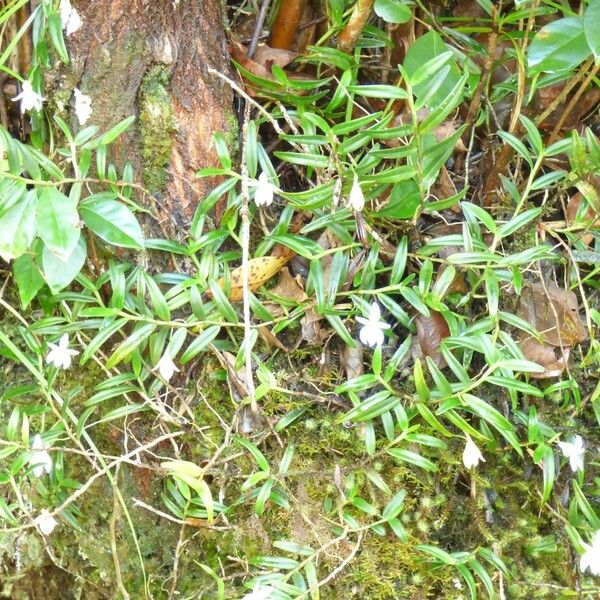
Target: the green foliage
(317, 471)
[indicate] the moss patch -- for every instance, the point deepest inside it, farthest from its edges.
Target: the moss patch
(158, 125)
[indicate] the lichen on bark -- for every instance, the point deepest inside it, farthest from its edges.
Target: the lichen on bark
(157, 125)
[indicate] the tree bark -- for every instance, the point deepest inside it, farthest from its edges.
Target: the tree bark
(150, 58)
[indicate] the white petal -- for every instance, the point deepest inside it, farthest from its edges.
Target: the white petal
(584, 562)
(45, 522)
(166, 367)
(40, 457)
(567, 448)
(65, 10)
(471, 454)
(374, 312)
(356, 197)
(83, 106)
(261, 593)
(74, 22)
(264, 190)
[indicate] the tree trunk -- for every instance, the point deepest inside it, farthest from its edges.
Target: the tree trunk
(151, 58)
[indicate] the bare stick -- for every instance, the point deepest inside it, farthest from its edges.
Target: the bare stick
(260, 21)
(245, 215)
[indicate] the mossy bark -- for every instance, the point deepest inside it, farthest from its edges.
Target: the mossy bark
(153, 60)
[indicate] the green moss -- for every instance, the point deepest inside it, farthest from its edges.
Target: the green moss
(157, 127)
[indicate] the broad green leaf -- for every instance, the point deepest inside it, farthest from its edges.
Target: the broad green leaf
(591, 27)
(200, 343)
(559, 46)
(116, 131)
(392, 11)
(425, 48)
(437, 553)
(28, 278)
(17, 227)
(57, 222)
(403, 202)
(113, 222)
(374, 406)
(60, 273)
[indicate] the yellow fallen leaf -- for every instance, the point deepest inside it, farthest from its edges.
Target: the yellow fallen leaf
(260, 270)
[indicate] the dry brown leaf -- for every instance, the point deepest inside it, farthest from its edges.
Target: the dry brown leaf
(444, 186)
(553, 312)
(590, 218)
(351, 360)
(431, 331)
(271, 339)
(260, 270)
(289, 287)
(311, 326)
(551, 358)
(267, 56)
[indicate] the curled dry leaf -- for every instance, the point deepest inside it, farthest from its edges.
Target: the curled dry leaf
(588, 219)
(553, 312)
(351, 360)
(238, 53)
(271, 339)
(267, 56)
(289, 287)
(431, 331)
(552, 358)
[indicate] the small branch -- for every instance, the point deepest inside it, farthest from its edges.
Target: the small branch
(358, 19)
(286, 23)
(572, 104)
(245, 216)
(258, 27)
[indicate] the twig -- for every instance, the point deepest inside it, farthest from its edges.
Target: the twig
(358, 19)
(573, 81)
(258, 27)
(572, 103)
(338, 569)
(245, 237)
(178, 549)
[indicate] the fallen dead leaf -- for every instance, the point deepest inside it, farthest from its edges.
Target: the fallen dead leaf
(553, 359)
(289, 287)
(553, 312)
(271, 339)
(431, 331)
(260, 270)
(351, 360)
(267, 56)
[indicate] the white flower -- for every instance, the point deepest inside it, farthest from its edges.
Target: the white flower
(40, 457)
(356, 197)
(264, 190)
(471, 454)
(574, 451)
(29, 98)
(83, 107)
(71, 21)
(371, 332)
(45, 522)
(166, 367)
(260, 593)
(591, 557)
(60, 354)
